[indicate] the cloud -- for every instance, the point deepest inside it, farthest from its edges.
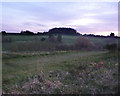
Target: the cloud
(33, 24)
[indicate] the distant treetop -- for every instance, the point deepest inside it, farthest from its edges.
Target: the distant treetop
(65, 31)
(27, 32)
(112, 34)
(3, 32)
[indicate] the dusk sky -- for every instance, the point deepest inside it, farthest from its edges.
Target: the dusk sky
(100, 18)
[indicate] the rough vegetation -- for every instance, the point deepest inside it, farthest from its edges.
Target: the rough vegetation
(59, 64)
(76, 74)
(84, 43)
(11, 42)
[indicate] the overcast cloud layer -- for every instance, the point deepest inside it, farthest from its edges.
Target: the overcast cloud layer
(87, 18)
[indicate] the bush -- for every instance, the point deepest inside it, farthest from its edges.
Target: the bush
(43, 39)
(83, 43)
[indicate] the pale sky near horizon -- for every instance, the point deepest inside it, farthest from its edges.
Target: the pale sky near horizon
(100, 18)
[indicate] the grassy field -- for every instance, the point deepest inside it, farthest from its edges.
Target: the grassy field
(24, 40)
(65, 72)
(29, 65)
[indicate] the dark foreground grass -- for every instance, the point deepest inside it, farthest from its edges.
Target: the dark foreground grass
(61, 73)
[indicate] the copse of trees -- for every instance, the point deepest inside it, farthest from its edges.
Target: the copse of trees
(27, 32)
(3, 32)
(42, 33)
(64, 31)
(112, 34)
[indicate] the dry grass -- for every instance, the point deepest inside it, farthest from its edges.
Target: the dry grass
(73, 73)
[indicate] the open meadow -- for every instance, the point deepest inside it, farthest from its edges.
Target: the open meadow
(18, 41)
(29, 65)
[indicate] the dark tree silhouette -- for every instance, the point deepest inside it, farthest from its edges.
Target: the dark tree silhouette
(65, 31)
(27, 32)
(112, 34)
(3, 32)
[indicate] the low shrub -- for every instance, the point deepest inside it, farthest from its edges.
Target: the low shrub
(43, 39)
(83, 43)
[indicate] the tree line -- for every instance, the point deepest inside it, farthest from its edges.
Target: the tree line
(55, 31)
(64, 31)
